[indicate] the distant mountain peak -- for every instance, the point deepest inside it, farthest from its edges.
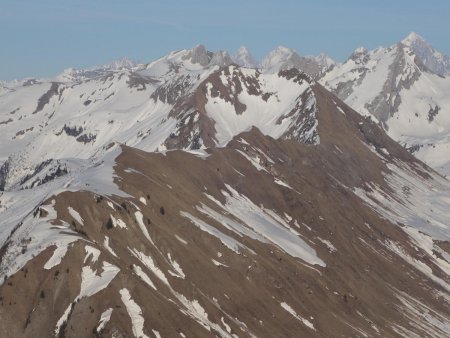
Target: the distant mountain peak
(205, 58)
(276, 57)
(244, 58)
(434, 60)
(221, 58)
(122, 63)
(284, 49)
(412, 38)
(74, 74)
(324, 60)
(243, 50)
(360, 55)
(360, 50)
(199, 55)
(283, 58)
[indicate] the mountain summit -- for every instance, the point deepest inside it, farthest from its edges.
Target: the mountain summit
(413, 38)
(244, 58)
(434, 60)
(283, 58)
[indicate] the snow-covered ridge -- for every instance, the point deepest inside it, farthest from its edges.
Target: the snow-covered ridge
(46, 124)
(76, 75)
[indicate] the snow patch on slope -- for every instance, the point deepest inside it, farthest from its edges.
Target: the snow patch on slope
(268, 225)
(76, 216)
(272, 115)
(135, 313)
(294, 314)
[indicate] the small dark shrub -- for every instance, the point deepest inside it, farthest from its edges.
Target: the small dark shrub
(109, 224)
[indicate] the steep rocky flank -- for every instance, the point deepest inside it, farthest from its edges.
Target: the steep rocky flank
(263, 235)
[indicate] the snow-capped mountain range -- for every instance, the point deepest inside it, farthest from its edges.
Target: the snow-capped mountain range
(404, 87)
(202, 194)
(44, 122)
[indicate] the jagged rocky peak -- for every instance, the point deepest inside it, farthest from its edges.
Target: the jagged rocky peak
(221, 58)
(73, 74)
(199, 55)
(360, 55)
(244, 58)
(434, 60)
(413, 38)
(122, 63)
(283, 58)
(325, 60)
(276, 57)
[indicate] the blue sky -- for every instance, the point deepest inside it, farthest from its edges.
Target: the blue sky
(41, 38)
